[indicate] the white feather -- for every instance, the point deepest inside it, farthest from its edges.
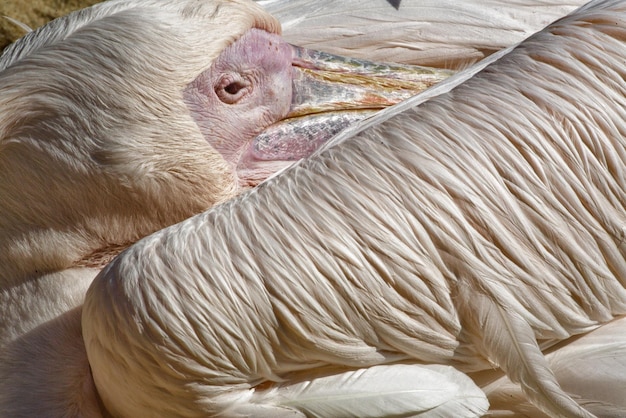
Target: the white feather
(591, 368)
(381, 391)
(513, 346)
(448, 33)
(19, 24)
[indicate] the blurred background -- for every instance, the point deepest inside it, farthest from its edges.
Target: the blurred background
(33, 13)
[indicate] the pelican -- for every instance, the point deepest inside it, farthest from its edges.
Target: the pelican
(473, 227)
(127, 117)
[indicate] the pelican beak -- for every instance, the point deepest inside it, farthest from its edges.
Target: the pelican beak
(324, 82)
(331, 92)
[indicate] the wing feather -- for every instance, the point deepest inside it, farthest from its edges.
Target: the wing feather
(382, 391)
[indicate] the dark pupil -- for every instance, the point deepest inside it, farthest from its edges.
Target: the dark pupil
(233, 88)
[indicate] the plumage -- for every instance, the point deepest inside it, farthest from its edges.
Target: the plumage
(475, 229)
(439, 33)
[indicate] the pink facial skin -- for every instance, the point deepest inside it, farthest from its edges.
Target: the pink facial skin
(247, 89)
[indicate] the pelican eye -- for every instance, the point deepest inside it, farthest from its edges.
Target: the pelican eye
(231, 88)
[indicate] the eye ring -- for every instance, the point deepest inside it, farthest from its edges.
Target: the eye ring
(232, 87)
